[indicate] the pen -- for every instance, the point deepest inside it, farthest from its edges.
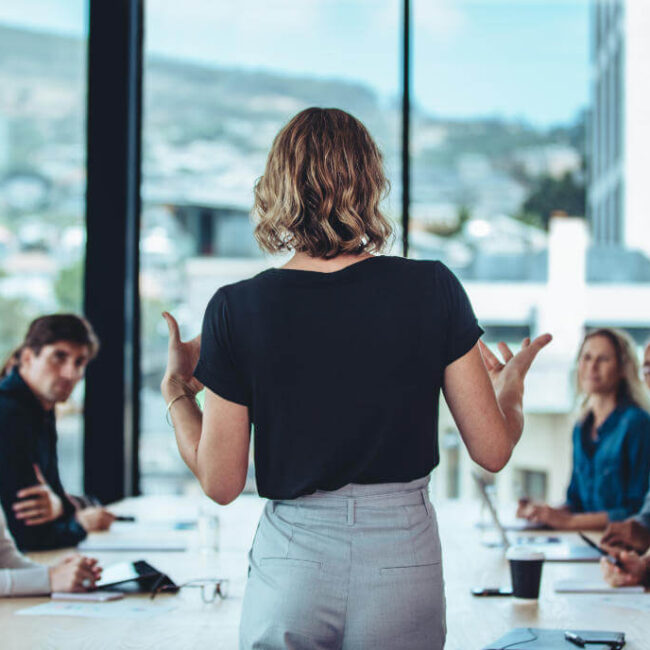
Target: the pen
(610, 558)
(575, 639)
(124, 518)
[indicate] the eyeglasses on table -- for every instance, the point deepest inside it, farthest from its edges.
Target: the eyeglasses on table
(211, 588)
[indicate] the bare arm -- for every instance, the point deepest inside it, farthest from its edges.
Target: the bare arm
(485, 399)
(222, 458)
(589, 521)
(187, 420)
(213, 444)
(180, 386)
(562, 518)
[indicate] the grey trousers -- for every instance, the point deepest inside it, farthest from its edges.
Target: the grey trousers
(355, 568)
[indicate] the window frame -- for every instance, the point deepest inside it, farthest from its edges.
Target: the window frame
(111, 287)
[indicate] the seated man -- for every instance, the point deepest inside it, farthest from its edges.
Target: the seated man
(43, 371)
(21, 577)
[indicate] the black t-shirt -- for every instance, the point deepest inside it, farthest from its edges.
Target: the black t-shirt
(341, 371)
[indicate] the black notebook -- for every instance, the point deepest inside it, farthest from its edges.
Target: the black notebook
(533, 638)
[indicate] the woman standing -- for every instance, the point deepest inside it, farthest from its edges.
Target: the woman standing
(611, 440)
(338, 358)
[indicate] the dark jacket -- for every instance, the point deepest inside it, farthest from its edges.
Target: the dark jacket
(28, 436)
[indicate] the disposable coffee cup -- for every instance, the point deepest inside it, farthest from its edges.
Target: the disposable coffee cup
(525, 571)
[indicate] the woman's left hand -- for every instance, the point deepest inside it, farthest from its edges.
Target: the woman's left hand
(182, 358)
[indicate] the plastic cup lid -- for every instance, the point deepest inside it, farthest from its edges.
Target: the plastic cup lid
(523, 553)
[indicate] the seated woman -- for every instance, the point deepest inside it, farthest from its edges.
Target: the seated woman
(611, 440)
(633, 534)
(22, 577)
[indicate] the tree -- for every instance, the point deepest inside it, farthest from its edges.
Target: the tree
(68, 288)
(13, 326)
(549, 194)
(463, 215)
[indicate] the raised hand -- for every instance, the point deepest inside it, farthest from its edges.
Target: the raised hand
(509, 374)
(182, 358)
(39, 503)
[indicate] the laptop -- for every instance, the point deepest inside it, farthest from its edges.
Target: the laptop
(553, 550)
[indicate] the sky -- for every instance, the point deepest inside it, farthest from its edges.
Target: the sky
(523, 59)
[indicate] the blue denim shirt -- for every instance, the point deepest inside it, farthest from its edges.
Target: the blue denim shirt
(611, 473)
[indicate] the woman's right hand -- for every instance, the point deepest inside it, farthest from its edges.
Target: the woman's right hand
(74, 573)
(182, 358)
(507, 377)
(634, 573)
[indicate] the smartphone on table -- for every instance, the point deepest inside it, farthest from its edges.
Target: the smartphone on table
(491, 591)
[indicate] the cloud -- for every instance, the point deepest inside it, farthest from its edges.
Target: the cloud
(439, 19)
(200, 24)
(61, 16)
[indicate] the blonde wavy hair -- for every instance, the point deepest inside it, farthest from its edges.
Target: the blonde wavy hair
(630, 387)
(321, 188)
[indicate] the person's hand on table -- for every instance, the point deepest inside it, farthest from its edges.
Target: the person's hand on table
(628, 534)
(635, 572)
(525, 507)
(182, 358)
(541, 513)
(74, 573)
(95, 518)
(38, 503)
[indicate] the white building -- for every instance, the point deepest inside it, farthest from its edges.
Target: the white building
(566, 304)
(619, 191)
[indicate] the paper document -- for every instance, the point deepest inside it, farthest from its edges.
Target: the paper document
(109, 543)
(137, 537)
(592, 587)
(640, 603)
(127, 608)
(88, 596)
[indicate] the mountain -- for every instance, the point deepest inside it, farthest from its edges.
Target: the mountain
(206, 131)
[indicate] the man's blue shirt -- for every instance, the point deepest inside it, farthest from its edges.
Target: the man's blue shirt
(611, 473)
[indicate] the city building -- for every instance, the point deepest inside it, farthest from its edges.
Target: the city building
(619, 194)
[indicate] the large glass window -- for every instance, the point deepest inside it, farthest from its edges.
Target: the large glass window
(220, 80)
(504, 97)
(504, 93)
(42, 182)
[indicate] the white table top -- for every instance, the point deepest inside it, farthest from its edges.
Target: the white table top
(472, 622)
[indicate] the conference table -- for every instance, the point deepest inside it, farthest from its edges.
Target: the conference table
(183, 620)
